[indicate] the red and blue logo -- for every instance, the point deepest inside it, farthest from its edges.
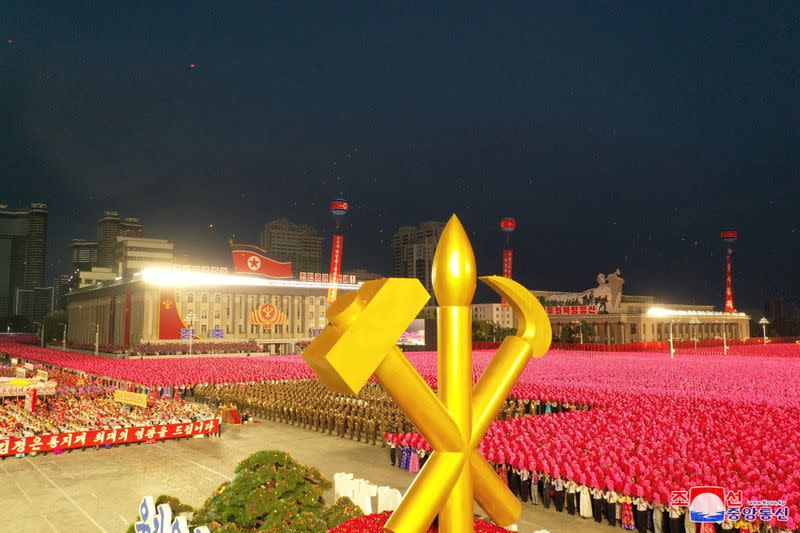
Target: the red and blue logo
(707, 504)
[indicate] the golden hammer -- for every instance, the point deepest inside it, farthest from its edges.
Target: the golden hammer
(360, 341)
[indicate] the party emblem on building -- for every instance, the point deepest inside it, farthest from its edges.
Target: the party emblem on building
(267, 315)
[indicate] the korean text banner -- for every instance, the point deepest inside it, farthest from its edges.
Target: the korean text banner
(84, 439)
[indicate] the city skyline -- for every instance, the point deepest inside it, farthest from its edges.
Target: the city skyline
(616, 139)
(222, 257)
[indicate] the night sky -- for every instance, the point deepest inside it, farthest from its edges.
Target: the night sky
(619, 135)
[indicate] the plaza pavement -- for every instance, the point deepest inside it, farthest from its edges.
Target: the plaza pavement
(99, 490)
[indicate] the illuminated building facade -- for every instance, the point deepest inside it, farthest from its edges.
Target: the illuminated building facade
(642, 319)
(153, 306)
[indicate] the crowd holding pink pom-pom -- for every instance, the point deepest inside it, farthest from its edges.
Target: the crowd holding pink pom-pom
(600, 433)
(654, 425)
(170, 372)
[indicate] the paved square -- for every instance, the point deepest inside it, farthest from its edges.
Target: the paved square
(99, 490)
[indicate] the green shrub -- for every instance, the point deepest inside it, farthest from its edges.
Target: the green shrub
(175, 504)
(343, 510)
(271, 492)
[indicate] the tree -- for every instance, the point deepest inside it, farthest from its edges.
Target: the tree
(271, 492)
(485, 331)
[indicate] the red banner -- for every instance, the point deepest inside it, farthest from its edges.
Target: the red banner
(336, 263)
(249, 259)
(170, 321)
(729, 308)
(88, 439)
(572, 310)
(508, 258)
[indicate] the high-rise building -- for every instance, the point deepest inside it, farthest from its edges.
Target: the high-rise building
(109, 227)
(83, 254)
(61, 288)
(23, 247)
(134, 254)
(413, 249)
(35, 303)
(362, 274)
(285, 241)
(774, 309)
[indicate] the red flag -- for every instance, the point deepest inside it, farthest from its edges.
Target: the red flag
(508, 258)
(336, 264)
(729, 308)
(248, 259)
(170, 322)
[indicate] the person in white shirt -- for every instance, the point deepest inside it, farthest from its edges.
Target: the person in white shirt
(572, 490)
(658, 516)
(558, 489)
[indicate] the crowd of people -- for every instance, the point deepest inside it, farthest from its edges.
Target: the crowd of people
(84, 404)
(172, 372)
(307, 403)
(370, 415)
(654, 425)
(198, 348)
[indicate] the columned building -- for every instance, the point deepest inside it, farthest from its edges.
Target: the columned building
(153, 308)
(643, 319)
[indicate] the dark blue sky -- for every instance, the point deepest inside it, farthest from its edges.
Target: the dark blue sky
(619, 135)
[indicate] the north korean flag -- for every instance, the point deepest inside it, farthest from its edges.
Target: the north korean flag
(248, 259)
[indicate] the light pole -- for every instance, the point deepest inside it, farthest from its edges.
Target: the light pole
(696, 323)
(96, 337)
(724, 337)
(671, 342)
(190, 316)
(41, 333)
(580, 329)
(764, 323)
(64, 337)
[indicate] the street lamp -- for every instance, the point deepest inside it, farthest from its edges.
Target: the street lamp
(190, 318)
(580, 329)
(764, 323)
(41, 332)
(96, 337)
(724, 337)
(671, 342)
(696, 323)
(64, 337)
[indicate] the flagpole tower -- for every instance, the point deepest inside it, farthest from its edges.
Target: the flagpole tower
(508, 225)
(729, 237)
(339, 208)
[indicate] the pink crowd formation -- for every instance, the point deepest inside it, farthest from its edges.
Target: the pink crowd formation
(662, 346)
(199, 347)
(170, 372)
(655, 425)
